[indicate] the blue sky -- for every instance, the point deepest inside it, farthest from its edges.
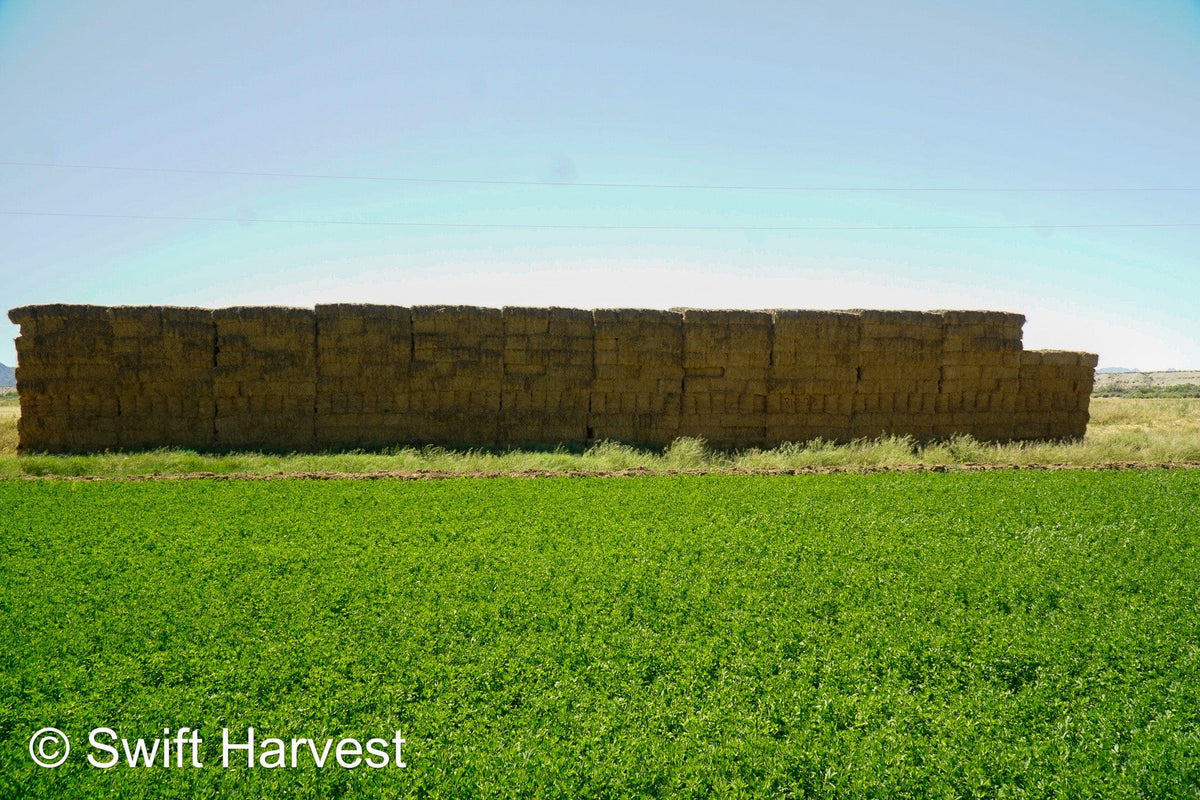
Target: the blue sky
(1083, 113)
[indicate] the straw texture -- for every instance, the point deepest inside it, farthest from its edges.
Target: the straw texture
(352, 375)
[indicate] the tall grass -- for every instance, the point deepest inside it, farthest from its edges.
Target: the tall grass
(1121, 430)
(9, 412)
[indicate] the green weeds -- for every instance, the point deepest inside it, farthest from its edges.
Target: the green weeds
(1136, 392)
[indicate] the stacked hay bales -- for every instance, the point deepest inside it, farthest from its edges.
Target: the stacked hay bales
(363, 397)
(1055, 390)
(92, 378)
(264, 381)
(547, 376)
(456, 374)
(813, 376)
(980, 374)
(66, 378)
(164, 376)
(899, 363)
(638, 380)
(726, 358)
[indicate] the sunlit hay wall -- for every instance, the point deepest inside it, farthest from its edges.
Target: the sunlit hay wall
(1055, 389)
(264, 379)
(637, 383)
(66, 378)
(457, 374)
(339, 376)
(364, 397)
(980, 374)
(899, 362)
(164, 376)
(812, 376)
(726, 360)
(547, 383)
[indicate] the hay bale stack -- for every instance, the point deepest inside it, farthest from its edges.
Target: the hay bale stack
(1033, 418)
(726, 358)
(66, 378)
(457, 373)
(94, 378)
(164, 379)
(363, 396)
(1055, 392)
(547, 376)
(638, 381)
(980, 375)
(812, 376)
(265, 378)
(899, 364)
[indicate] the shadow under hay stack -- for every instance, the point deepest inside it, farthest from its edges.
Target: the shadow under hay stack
(342, 376)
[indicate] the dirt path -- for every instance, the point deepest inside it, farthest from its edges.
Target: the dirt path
(434, 475)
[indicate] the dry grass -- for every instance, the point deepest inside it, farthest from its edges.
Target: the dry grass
(9, 412)
(1122, 430)
(1176, 413)
(1150, 430)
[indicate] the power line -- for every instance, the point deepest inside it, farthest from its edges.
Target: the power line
(593, 185)
(574, 227)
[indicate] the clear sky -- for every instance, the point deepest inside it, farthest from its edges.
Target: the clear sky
(1084, 112)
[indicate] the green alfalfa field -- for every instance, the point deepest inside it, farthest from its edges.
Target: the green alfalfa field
(1015, 633)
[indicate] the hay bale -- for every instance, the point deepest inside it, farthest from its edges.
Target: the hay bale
(636, 351)
(65, 378)
(456, 374)
(726, 360)
(547, 376)
(265, 378)
(362, 370)
(165, 383)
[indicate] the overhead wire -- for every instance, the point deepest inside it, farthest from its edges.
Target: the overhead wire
(582, 226)
(570, 226)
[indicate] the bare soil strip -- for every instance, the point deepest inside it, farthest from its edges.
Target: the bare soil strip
(634, 472)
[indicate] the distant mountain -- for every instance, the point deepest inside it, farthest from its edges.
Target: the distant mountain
(1117, 369)
(8, 377)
